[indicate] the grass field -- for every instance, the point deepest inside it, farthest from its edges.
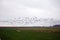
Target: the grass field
(18, 34)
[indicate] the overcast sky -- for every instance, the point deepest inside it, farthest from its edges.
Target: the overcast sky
(39, 8)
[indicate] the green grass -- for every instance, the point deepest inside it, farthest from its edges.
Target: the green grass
(28, 35)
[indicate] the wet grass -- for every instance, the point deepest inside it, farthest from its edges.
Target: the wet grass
(28, 35)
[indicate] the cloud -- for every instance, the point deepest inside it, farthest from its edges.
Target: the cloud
(39, 8)
(50, 7)
(10, 7)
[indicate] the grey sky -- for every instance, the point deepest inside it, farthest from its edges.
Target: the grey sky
(39, 8)
(47, 8)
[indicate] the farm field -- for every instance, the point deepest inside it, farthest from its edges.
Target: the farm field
(30, 33)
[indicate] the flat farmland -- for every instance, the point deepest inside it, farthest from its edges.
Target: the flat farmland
(52, 29)
(30, 33)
